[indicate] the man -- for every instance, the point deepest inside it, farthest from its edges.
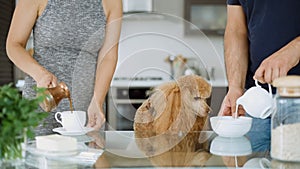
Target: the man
(261, 41)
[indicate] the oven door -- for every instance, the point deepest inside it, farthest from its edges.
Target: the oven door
(122, 106)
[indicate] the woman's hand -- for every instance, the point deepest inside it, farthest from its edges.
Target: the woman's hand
(96, 116)
(47, 80)
(98, 142)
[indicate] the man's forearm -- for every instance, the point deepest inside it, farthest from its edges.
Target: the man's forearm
(236, 58)
(236, 47)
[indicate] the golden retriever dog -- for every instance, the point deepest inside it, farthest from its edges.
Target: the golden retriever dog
(177, 106)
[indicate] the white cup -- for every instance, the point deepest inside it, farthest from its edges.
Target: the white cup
(257, 102)
(71, 120)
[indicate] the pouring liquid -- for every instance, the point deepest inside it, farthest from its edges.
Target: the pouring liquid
(236, 109)
(71, 104)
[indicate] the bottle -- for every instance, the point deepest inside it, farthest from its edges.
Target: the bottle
(285, 124)
(54, 96)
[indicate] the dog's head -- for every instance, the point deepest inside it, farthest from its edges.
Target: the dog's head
(175, 106)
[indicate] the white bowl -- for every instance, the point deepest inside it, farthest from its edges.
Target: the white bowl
(235, 146)
(259, 163)
(228, 126)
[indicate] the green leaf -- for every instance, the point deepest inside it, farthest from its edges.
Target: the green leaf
(17, 114)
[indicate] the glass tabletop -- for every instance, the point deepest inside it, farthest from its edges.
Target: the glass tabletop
(129, 149)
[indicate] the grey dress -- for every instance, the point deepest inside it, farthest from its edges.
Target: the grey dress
(67, 39)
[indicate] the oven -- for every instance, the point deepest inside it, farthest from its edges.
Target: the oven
(125, 96)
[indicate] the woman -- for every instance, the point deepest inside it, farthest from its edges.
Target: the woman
(76, 42)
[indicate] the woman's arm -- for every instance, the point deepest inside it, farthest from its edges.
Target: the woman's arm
(107, 60)
(108, 54)
(24, 18)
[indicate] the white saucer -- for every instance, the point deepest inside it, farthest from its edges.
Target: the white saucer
(62, 131)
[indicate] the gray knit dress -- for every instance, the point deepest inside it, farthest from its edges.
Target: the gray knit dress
(67, 39)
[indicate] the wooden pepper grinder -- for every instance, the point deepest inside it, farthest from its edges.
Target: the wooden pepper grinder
(54, 96)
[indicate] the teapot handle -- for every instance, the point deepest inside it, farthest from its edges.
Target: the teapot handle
(269, 85)
(270, 90)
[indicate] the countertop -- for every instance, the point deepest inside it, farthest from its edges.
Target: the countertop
(129, 149)
(129, 83)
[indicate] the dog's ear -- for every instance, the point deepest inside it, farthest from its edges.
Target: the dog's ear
(163, 97)
(164, 105)
(143, 113)
(152, 114)
(154, 105)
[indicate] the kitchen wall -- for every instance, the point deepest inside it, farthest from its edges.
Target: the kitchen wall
(147, 40)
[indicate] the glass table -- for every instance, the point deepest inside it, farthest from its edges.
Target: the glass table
(129, 149)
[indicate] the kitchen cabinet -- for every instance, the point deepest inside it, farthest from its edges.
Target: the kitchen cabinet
(170, 7)
(130, 6)
(207, 15)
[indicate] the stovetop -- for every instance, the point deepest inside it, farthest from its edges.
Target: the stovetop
(144, 81)
(147, 78)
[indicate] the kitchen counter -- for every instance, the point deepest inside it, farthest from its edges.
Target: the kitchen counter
(127, 149)
(152, 83)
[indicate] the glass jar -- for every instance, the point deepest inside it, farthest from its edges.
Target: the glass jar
(285, 139)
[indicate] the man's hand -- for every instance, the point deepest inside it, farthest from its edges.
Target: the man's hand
(229, 103)
(279, 63)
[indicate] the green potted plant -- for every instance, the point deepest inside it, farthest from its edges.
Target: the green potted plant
(18, 117)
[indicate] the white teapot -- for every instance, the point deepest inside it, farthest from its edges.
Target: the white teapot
(257, 101)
